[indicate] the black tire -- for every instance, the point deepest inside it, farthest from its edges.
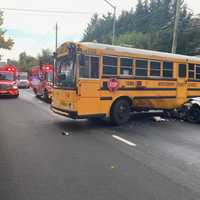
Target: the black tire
(193, 115)
(45, 95)
(16, 96)
(120, 112)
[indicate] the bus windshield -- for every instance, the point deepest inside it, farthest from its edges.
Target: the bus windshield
(64, 73)
(6, 76)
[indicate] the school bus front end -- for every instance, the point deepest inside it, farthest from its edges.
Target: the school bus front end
(64, 96)
(64, 102)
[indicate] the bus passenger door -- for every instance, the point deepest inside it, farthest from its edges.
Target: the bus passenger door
(89, 86)
(182, 84)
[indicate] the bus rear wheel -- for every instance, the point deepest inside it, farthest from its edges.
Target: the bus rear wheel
(120, 112)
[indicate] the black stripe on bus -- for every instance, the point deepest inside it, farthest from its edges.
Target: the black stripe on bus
(105, 88)
(189, 81)
(105, 98)
(194, 89)
(155, 97)
(140, 78)
(149, 89)
(193, 96)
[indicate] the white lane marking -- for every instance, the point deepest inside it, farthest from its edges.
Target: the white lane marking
(123, 140)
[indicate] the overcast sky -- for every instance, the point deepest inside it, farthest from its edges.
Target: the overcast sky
(35, 31)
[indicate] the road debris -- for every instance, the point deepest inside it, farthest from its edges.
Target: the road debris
(65, 133)
(159, 119)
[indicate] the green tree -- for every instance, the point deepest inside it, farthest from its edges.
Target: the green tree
(149, 26)
(4, 43)
(26, 62)
(91, 31)
(46, 57)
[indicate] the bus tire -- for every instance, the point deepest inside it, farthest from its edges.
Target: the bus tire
(45, 95)
(120, 112)
(193, 114)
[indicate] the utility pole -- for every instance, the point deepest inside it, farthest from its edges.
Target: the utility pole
(55, 54)
(114, 20)
(56, 44)
(114, 26)
(176, 26)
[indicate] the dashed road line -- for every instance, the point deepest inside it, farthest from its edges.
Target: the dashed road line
(124, 141)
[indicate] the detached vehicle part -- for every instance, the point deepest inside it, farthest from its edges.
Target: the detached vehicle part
(191, 110)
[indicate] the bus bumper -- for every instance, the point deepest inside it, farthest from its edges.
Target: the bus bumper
(66, 113)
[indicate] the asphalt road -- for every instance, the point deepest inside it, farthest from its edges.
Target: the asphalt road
(142, 160)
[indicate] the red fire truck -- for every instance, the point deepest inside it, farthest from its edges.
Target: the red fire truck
(8, 85)
(42, 81)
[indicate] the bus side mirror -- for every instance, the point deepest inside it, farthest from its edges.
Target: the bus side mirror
(82, 59)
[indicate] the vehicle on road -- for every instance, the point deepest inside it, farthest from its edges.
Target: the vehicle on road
(99, 80)
(22, 80)
(8, 85)
(42, 81)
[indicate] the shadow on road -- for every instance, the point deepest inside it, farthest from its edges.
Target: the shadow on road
(87, 126)
(7, 97)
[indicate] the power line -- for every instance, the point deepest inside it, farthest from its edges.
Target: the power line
(47, 11)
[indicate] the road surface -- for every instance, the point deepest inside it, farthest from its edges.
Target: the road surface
(144, 160)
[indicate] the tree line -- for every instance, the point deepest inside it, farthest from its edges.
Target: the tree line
(4, 43)
(149, 26)
(25, 62)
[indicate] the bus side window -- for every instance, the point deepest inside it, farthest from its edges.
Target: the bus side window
(141, 68)
(155, 67)
(198, 72)
(90, 69)
(126, 66)
(94, 67)
(191, 71)
(182, 70)
(109, 65)
(84, 69)
(168, 69)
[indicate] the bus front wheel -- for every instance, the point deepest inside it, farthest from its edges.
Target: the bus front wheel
(120, 112)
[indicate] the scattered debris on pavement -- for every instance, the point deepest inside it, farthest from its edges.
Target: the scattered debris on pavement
(65, 133)
(159, 119)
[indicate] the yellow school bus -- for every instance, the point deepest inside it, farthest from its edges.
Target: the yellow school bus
(99, 80)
